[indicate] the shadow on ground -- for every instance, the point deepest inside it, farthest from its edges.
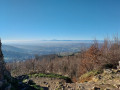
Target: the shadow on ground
(24, 83)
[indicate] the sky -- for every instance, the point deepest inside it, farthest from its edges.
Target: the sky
(59, 19)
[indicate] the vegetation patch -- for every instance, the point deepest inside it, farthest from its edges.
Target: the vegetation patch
(89, 75)
(51, 75)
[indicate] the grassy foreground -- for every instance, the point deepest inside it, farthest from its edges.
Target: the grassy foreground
(50, 75)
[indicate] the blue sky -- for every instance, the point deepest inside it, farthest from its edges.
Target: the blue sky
(58, 19)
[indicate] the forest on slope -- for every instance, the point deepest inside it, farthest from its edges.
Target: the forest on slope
(96, 57)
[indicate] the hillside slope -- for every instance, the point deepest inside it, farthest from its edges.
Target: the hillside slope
(12, 53)
(108, 80)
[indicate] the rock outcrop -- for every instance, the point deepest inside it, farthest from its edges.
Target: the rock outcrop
(4, 74)
(7, 82)
(2, 64)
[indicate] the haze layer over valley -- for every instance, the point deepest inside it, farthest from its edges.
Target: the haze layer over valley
(27, 50)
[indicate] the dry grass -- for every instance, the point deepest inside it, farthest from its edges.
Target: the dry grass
(88, 76)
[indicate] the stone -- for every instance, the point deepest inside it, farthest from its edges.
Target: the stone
(96, 88)
(108, 71)
(1, 83)
(107, 89)
(48, 86)
(82, 88)
(118, 71)
(117, 86)
(97, 78)
(118, 67)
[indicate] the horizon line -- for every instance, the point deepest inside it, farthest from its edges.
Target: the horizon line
(45, 41)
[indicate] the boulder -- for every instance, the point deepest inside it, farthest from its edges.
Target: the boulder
(108, 71)
(95, 88)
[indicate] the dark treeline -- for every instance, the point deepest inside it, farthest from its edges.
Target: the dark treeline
(96, 57)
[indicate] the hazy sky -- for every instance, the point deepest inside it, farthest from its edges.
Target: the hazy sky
(58, 19)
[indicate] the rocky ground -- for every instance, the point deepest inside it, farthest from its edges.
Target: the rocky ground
(108, 80)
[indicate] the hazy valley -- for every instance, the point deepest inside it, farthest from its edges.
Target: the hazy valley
(21, 52)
